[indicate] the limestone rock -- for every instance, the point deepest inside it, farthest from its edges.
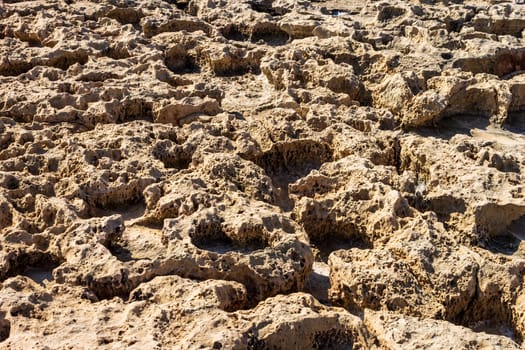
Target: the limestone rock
(196, 173)
(394, 331)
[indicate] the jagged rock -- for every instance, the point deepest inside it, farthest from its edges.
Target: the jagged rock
(176, 112)
(395, 331)
(193, 174)
(452, 94)
(300, 68)
(332, 201)
(411, 274)
(182, 321)
(489, 196)
(322, 327)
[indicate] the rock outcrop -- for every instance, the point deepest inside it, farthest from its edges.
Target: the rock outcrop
(262, 174)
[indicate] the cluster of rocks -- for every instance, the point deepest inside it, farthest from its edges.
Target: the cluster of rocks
(262, 174)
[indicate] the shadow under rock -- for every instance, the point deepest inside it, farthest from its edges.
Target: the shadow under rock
(325, 247)
(516, 123)
(287, 162)
(511, 241)
(455, 125)
(472, 125)
(40, 272)
(318, 282)
(214, 239)
(38, 266)
(493, 327)
(130, 211)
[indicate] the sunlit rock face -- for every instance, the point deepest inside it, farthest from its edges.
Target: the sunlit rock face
(262, 174)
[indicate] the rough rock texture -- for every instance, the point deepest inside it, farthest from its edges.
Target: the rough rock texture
(262, 174)
(396, 331)
(170, 311)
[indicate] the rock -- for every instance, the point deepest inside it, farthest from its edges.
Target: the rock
(185, 320)
(453, 95)
(488, 209)
(264, 327)
(175, 112)
(411, 278)
(261, 174)
(299, 68)
(501, 19)
(336, 206)
(395, 331)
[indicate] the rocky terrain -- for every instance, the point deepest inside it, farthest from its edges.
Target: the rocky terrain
(262, 174)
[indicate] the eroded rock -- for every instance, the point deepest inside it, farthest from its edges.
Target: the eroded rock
(194, 174)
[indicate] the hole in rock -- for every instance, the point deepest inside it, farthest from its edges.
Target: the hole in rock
(139, 242)
(11, 182)
(295, 159)
(180, 4)
(67, 59)
(129, 210)
(282, 195)
(388, 13)
(270, 34)
(177, 162)
(110, 200)
(125, 15)
(265, 6)
(454, 25)
(109, 289)
(506, 244)
(15, 68)
(179, 61)
(40, 273)
(211, 236)
(444, 206)
(324, 246)
(237, 68)
(93, 156)
(289, 161)
(509, 242)
(33, 42)
(338, 13)
(117, 52)
(341, 8)
(38, 266)
(447, 55)
(516, 123)
(333, 340)
(97, 77)
(134, 109)
(233, 32)
(171, 155)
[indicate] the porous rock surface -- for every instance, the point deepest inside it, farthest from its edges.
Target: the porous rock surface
(262, 174)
